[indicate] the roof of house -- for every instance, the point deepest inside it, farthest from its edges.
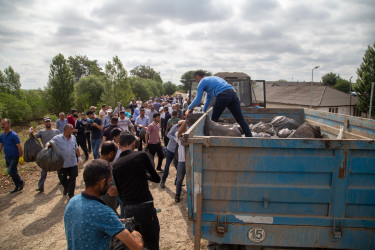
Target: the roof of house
(232, 75)
(298, 93)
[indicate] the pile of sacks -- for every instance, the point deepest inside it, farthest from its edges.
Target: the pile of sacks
(284, 127)
(279, 127)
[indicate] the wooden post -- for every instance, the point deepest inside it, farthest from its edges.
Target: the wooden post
(198, 223)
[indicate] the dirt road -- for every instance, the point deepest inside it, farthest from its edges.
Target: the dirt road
(33, 220)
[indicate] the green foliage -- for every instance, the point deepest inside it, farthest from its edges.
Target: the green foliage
(366, 75)
(116, 85)
(81, 66)
(60, 86)
(35, 98)
(10, 81)
(330, 79)
(16, 110)
(188, 77)
(141, 87)
(88, 92)
(146, 72)
(169, 88)
(342, 85)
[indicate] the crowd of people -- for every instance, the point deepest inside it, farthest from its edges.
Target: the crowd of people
(119, 175)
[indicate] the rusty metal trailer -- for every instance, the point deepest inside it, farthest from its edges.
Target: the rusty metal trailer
(284, 192)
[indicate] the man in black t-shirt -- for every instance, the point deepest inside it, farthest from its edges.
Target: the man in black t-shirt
(96, 126)
(131, 173)
(107, 131)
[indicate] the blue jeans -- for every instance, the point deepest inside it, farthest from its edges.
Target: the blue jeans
(146, 222)
(95, 145)
(12, 163)
(43, 177)
(169, 157)
(181, 170)
(229, 99)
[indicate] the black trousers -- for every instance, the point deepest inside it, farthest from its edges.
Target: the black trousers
(146, 222)
(88, 139)
(156, 148)
(68, 184)
(81, 141)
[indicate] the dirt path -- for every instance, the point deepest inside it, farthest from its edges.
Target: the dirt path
(32, 220)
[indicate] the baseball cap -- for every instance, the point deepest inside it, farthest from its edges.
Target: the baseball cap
(47, 119)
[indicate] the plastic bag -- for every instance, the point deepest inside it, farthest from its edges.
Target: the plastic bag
(261, 134)
(50, 158)
(284, 133)
(193, 117)
(31, 149)
(307, 130)
(281, 122)
(263, 127)
(142, 134)
(147, 150)
(212, 128)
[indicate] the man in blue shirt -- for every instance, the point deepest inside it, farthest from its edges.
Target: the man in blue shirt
(61, 122)
(225, 98)
(13, 153)
(96, 126)
(67, 144)
(89, 223)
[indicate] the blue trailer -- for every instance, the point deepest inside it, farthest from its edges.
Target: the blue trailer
(309, 193)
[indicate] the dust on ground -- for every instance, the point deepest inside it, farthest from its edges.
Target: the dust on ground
(33, 220)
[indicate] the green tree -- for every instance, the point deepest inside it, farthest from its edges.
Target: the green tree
(146, 72)
(342, 85)
(116, 85)
(169, 88)
(35, 98)
(10, 81)
(12, 107)
(330, 79)
(366, 75)
(60, 86)
(88, 91)
(81, 66)
(188, 77)
(141, 87)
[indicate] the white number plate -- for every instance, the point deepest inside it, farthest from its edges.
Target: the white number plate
(256, 234)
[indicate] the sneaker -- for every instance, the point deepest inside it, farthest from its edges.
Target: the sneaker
(40, 190)
(177, 198)
(14, 190)
(162, 185)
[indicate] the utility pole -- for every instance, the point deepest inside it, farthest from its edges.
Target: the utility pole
(350, 96)
(312, 80)
(372, 96)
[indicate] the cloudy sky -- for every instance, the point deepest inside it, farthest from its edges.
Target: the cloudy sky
(268, 39)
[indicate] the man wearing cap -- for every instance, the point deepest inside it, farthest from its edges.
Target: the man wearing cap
(96, 126)
(13, 153)
(45, 135)
(225, 98)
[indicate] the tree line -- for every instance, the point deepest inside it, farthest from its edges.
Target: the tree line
(78, 82)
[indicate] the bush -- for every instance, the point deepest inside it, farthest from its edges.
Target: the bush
(17, 111)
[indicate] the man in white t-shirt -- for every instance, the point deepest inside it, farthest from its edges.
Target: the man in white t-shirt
(139, 102)
(124, 122)
(181, 170)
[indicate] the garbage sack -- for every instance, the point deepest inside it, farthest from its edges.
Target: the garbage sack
(212, 128)
(50, 158)
(284, 133)
(193, 117)
(232, 126)
(142, 134)
(261, 134)
(281, 122)
(31, 149)
(263, 127)
(306, 130)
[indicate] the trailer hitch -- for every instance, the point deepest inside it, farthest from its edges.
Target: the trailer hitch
(337, 229)
(221, 227)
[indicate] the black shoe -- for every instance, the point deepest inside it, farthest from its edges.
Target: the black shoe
(160, 170)
(40, 190)
(71, 196)
(162, 185)
(21, 186)
(65, 191)
(14, 190)
(177, 198)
